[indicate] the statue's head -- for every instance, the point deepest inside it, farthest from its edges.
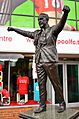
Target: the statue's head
(43, 20)
(43, 15)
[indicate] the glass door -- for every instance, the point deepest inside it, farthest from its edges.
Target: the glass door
(72, 88)
(69, 78)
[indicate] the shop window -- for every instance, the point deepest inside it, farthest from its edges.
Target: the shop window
(10, 71)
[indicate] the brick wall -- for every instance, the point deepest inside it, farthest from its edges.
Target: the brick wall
(12, 113)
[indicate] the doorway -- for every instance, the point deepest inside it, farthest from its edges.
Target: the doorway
(69, 77)
(72, 84)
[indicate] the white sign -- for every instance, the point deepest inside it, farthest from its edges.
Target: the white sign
(67, 42)
(13, 42)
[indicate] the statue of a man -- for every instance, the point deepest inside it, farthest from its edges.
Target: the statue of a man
(46, 56)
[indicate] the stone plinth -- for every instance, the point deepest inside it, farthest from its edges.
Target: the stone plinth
(51, 113)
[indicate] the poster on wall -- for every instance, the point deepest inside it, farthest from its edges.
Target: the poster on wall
(26, 7)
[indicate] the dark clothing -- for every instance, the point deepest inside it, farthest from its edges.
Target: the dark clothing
(46, 57)
(51, 70)
(46, 47)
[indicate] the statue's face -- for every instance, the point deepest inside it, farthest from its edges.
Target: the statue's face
(42, 22)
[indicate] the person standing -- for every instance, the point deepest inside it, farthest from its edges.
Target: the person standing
(46, 56)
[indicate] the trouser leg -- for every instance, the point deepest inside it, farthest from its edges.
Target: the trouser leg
(52, 71)
(42, 79)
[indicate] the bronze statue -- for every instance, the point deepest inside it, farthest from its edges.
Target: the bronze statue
(46, 56)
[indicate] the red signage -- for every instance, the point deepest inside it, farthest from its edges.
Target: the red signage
(0, 67)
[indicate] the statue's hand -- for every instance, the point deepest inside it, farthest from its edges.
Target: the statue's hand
(66, 9)
(10, 29)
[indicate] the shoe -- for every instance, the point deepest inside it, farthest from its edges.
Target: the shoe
(62, 107)
(40, 109)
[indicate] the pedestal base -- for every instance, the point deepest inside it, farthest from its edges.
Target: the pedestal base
(51, 113)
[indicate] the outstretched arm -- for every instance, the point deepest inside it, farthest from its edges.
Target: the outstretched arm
(22, 32)
(60, 25)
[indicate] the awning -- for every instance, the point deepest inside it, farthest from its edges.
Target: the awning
(10, 57)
